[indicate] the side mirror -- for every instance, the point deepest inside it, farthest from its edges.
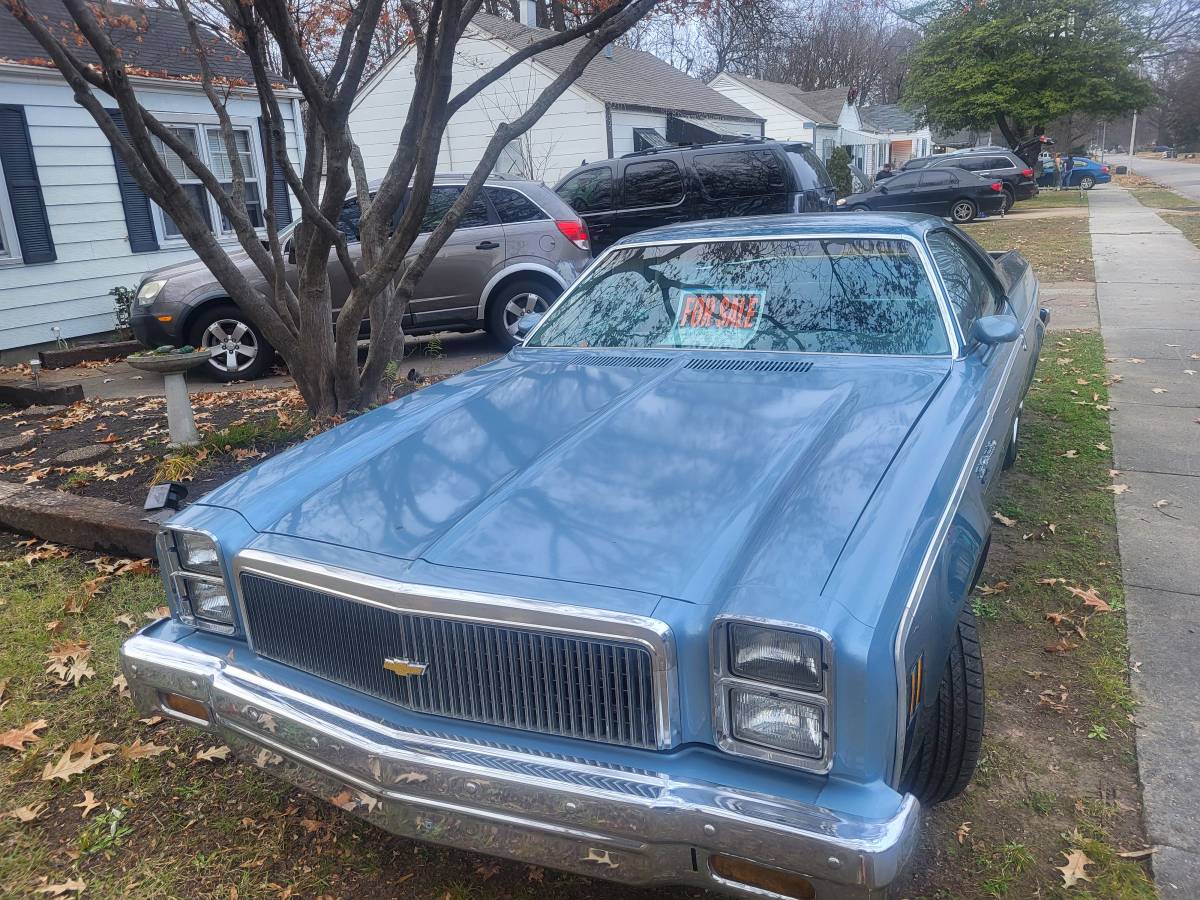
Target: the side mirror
(883, 189)
(527, 323)
(996, 329)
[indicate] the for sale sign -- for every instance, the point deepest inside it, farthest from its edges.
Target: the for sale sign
(726, 319)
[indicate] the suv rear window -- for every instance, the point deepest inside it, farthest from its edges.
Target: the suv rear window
(656, 183)
(589, 191)
(740, 173)
(513, 206)
(808, 168)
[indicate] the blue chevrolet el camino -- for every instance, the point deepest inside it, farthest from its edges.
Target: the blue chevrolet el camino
(675, 592)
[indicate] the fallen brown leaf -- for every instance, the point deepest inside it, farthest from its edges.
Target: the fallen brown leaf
(17, 738)
(78, 758)
(1004, 520)
(73, 886)
(213, 753)
(138, 750)
(89, 803)
(1073, 872)
(27, 813)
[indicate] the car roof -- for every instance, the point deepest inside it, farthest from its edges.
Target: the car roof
(461, 178)
(845, 224)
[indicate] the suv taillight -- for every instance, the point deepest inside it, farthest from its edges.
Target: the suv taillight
(1027, 173)
(1104, 169)
(575, 232)
(996, 186)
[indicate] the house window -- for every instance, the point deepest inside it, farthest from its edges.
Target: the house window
(10, 250)
(826, 149)
(206, 142)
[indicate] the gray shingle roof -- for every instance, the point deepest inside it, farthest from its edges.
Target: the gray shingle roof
(885, 116)
(822, 107)
(152, 41)
(632, 78)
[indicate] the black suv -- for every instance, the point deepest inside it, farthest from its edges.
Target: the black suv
(991, 165)
(618, 197)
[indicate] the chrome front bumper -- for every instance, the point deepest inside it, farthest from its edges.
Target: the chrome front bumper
(629, 825)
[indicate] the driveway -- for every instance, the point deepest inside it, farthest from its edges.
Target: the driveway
(441, 354)
(1179, 176)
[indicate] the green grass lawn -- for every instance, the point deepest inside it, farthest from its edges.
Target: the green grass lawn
(1059, 248)
(1048, 198)
(1156, 196)
(1188, 224)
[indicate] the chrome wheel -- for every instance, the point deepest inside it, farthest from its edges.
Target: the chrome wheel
(1087, 182)
(962, 211)
(520, 305)
(234, 345)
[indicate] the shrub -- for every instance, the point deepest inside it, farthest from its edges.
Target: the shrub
(839, 171)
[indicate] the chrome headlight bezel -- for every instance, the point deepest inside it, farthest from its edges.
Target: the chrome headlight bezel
(725, 681)
(186, 585)
(148, 290)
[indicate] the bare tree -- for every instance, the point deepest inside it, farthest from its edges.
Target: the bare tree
(323, 359)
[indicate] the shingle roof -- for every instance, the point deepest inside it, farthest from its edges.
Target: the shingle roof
(631, 78)
(153, 42)
(823, 107)
(885, 116)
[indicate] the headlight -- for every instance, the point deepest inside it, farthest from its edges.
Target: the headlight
(149, 290)
(772, 691)
(841, 201)
(197, 552)
(206, 598)
(787, 658)
(193, 563)
(778, 723)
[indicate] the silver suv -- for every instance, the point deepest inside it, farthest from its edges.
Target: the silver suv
(516, 249)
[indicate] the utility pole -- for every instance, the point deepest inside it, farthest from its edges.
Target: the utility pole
(1133, 142)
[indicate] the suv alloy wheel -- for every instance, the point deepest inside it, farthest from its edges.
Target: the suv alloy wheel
(514, 300)
(240, 351)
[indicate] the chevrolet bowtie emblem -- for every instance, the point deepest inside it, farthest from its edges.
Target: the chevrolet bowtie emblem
(404, 667)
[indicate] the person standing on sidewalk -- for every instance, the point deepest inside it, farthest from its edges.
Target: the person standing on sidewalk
(1065, 178)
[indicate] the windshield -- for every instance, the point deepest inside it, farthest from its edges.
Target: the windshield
(826, 295)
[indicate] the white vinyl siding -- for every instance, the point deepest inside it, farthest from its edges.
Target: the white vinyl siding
(782, 124)
(571, 131)
(625, 120)
(83, 206)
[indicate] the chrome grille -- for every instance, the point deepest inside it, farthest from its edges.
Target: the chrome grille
(580, 687)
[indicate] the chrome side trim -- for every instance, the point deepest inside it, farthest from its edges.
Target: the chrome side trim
(956, 347)
(494, 609)
(636, 827)
(723, 679)
(931, 555)
(486, 294)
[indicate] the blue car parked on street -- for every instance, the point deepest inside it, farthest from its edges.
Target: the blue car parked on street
(674, 593)
(1087, 173)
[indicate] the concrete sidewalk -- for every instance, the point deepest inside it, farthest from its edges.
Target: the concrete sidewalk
(1148, 292)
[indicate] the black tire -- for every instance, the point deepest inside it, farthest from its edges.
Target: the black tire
(953, 735)
(860, 208)
(1087, 182)
(963, 210)
(252, 354)
(1009, 200)
(1014, 440)
(528, 294)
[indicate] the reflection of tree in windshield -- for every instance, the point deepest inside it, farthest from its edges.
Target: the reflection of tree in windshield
(826, 295)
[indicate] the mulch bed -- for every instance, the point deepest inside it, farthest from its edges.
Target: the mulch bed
(130, 441)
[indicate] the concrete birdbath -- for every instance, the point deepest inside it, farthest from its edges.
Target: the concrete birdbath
(171, 363)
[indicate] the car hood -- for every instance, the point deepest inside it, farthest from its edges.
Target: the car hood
(184, 277)
(660, 480)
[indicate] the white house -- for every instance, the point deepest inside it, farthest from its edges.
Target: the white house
(830, 118)
(73, 224)
(906, 137)
(626, 100)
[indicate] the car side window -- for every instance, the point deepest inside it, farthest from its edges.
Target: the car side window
(589, 191)
(656, 183)
(936, 179)
(440, 201)
(972, 164)
(906, 180)
(1000, 162)
(967, 285)
(513, 206)
(742, 173)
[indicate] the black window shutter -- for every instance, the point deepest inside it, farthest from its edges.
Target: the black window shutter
(279, 188)
(24, 189)
(138, 219)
